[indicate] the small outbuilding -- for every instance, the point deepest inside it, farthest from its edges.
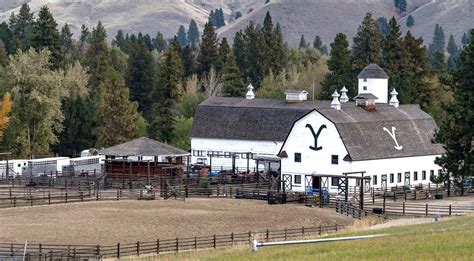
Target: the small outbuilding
(143, 159)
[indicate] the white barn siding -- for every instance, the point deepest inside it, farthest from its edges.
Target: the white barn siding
(318, 162)
(221, 149)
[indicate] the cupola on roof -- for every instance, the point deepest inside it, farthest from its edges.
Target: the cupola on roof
(373, 71)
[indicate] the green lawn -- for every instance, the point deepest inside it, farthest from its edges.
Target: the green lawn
(447, 240)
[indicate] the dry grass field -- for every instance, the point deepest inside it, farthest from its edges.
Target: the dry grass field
(130, 221)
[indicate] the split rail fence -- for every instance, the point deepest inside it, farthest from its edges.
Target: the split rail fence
(159, 246)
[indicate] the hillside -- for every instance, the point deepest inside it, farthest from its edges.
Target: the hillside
(308, 17)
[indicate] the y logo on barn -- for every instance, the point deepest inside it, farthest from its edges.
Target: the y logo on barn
(392, 134)
(316, 136)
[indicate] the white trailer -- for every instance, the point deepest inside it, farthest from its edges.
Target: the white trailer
(15, 167)
(36, 167)
(85, 164)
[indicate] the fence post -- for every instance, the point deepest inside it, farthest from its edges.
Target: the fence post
(320, 230)
(394, 196)
(215, 241)
(195, 242)
(232, 238)
(450, 209)
(118, 194)
(97, 250)
(404, 208)
(49, 197)
(427, 209)
(158, 246)
(250, 236)
(302, 230)
(177, 244)
(14, 201)
(286, 236)
(118, 250)
(138, 248)
(384, 203)
(336, 227)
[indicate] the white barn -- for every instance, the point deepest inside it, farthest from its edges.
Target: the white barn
(388, 142)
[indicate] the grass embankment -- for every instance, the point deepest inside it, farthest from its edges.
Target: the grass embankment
(448, 240)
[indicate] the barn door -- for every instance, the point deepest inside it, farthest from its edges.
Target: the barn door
(308, 182)
(287, 182)
(384, 182)
(407, 178)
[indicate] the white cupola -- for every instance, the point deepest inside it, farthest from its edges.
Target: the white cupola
(250, 95)
(374, 80)
(394, 100)
(335, 104)
(344, 97)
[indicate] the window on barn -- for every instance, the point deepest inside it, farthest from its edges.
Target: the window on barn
(297, 157)
(365, 88)
(415, 175)
(334, 159)
(392, 177)
(399, 177)
(423, 175)
(431, 173)
(374, 180)
(334, 182)
(365, 79)
(297, 179)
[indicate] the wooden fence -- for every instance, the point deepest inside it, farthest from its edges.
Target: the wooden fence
(419, 209)
(159, 246)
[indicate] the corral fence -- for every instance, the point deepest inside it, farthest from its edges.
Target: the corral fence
(159, 246)
(420, 209)
(348, 209)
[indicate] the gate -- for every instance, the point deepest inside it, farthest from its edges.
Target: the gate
(287, 182)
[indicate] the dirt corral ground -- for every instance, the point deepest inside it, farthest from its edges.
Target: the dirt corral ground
(130, 221)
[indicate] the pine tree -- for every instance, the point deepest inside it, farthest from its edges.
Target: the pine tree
(233, 85)
(453, 51)
(367, 44)
(382, 25)
(97, 56)
(340, 68)
(410, 21)
(224, 51)
(238, 14)
(395, 59)
(303, 43)
(456, 132)
(274, 51)
(46, 35)
(317, 43)
(465, 39)
(182, 36)
(117, 116)
(193, 34)
(68, 47)
(189, 61)
(159, 42)
(167, 96)
(420, 89)
(6, 36)
(3, 55)
(436, 49)
(21, 25)
(219, 20)
(401, 5)
(208, 49)
(140, 77)
(84, 39)
(120, 41)
(212, 18)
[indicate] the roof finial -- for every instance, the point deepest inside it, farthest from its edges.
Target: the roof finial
(344, 97)
(394, 101)
(335, 104)
(250, 95)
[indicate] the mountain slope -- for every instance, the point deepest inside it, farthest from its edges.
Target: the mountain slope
(309, 17)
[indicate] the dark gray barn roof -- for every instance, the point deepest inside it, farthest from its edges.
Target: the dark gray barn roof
(361, 131)
(373, 71)
(143, 147)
